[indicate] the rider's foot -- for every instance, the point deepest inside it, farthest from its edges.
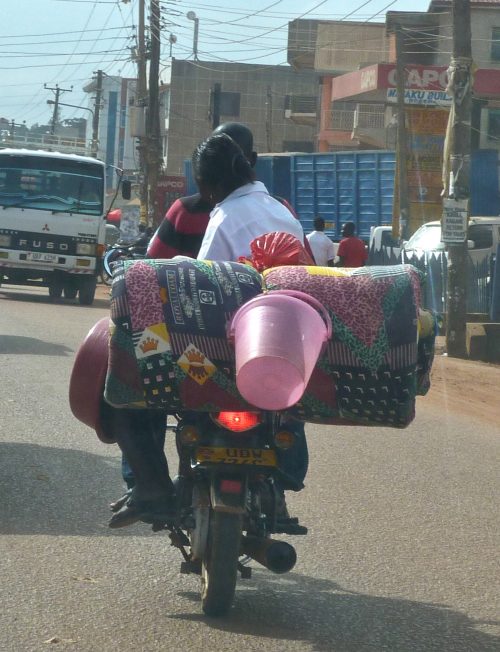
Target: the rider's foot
(118, 504)
(149, 511)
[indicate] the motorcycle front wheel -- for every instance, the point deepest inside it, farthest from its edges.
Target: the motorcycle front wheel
(220, 563)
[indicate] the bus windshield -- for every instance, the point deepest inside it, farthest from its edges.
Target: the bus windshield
(47, 183)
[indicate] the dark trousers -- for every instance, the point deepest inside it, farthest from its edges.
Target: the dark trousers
(294, 462)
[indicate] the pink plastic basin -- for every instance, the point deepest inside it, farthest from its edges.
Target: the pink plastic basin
(278, 339)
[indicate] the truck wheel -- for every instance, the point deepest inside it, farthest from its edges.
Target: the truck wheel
(86, 291)
(70, 288)
(55, 290)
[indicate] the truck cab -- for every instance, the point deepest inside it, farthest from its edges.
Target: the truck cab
(52, 226)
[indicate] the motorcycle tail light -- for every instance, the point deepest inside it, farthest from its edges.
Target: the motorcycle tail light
(189, 434)
(231, 486)
(284, 439)
(237, 421)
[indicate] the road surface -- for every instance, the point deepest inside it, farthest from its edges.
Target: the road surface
(402, 551)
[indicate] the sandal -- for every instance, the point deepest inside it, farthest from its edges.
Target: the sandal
(118, 504)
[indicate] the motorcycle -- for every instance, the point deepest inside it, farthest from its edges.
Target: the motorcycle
(229, 484)
(121, 251)
(233, 465)
(228, 501)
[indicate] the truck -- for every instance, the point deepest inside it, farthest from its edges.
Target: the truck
(355, 186)
(52, 221)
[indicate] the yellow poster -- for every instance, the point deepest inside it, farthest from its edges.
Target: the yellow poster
(426, 130)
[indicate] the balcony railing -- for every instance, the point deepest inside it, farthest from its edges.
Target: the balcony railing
(343, 120)
(369, 120)
(47, 142)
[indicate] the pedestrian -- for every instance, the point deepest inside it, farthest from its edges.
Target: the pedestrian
(321, 245)
(352, 250)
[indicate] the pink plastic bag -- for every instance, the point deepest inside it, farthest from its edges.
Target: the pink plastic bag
(276, 249)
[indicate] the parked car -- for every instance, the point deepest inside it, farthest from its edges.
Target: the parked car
(383, 248)
(426, 251)
(483, 237)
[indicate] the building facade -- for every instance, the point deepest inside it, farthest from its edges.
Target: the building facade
(356, 64)
(116, 146)
(257, 95)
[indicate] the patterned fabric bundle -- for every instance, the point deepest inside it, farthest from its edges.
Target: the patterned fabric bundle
(169, 349)
(371, 370)
(168, 346)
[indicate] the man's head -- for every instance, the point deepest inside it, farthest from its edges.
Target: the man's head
(319, 224)
(348, 229)
(242, 136)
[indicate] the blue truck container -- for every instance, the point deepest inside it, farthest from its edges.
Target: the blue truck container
(353, 186)
(356, 186)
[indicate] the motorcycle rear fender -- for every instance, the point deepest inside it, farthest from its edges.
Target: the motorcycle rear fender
(228, 493)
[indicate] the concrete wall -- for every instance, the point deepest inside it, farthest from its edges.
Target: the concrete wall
(189, 121)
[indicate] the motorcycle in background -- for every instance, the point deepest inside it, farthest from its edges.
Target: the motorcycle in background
(123, 251)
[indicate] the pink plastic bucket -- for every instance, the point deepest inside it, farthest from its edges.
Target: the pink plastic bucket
(278, 339)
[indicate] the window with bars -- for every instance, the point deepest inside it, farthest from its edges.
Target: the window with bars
(495, 44)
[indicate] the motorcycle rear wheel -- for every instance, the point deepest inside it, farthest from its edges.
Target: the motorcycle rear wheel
(220, 563)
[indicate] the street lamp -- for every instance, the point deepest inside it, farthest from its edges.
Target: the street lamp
(172, 39)
(192, 16)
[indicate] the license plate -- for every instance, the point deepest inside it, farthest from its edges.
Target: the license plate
(41, 257)
(250, 456)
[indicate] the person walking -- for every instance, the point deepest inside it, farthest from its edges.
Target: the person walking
(322, 247)
(352, 250)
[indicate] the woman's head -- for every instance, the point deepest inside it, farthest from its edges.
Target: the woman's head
(219, 167)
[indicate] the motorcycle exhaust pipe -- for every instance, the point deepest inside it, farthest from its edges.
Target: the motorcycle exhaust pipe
(277, 556)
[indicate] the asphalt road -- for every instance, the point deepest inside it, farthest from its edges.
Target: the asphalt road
(401, 555)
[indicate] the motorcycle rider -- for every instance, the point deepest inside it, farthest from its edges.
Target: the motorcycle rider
(183, 227)
(244, 211)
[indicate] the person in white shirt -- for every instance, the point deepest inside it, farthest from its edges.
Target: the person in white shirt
(321, 245)
(244, 209)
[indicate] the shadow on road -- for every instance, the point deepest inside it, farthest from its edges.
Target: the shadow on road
(31, 346)
(10, 294)
(58, 491)
(330, 618)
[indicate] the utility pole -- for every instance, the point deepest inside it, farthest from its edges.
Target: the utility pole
(269, 120)
(153, 130)
(402, 144)
(216, 93)
(57, 92)
(95, 116)
(141, 101)
(459, 86)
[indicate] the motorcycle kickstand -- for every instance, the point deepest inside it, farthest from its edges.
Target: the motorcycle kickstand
(245, 571)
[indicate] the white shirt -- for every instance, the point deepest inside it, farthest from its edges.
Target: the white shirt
(322, 247)
(242, 216)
